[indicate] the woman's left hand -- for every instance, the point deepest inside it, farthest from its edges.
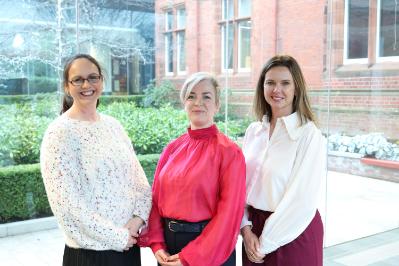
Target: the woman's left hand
(133, 225)
(173, 260)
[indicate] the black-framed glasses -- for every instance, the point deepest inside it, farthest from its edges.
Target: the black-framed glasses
(92, 79)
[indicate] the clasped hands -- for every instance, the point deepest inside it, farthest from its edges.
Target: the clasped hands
(133, 225)
(165, 259)
(252, 245)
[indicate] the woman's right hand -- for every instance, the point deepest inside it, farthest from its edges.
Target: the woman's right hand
(251, 244)
(162, 256)
(131, 241)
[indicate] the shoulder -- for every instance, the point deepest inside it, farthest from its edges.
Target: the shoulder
(58, 126)
(227, 146)
(109, 120)
(254, 127)
(173, 144)
(311, 133)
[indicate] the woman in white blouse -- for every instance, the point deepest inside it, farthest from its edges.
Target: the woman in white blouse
(285, 155)
(95, 185)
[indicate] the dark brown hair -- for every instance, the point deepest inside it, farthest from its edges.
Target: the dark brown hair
(67, 100)
(301, 103)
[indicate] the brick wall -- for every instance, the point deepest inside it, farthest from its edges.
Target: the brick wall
(362, 98)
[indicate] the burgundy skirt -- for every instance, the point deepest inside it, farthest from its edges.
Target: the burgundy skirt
(305, 250)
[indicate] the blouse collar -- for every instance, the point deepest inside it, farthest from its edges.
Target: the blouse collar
(291, 123)
(203, 133)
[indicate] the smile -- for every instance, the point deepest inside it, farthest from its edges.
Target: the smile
(87, 93)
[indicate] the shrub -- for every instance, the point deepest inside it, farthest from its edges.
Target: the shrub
(164, 93)
(150, 129)
(22, 193)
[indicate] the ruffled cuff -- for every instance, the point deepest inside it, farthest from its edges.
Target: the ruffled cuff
(157, 246)
(267, 246)
(121, 239)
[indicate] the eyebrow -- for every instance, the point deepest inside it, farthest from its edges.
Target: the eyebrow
(207, 92)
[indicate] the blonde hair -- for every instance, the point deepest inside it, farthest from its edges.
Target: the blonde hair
(196, 78)
(301, 103)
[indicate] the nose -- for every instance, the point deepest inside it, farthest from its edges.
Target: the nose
(198, 101)
(86, 83)
(276, 88)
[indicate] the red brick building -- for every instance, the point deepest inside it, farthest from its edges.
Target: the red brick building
(359, 85)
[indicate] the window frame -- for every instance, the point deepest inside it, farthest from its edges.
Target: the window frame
(234, 20)
(347, 61)
(242, 69)
(381, 59)
(178, 52)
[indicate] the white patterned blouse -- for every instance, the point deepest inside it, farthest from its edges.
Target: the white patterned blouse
(94, 181)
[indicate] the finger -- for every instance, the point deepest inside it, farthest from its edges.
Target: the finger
(173, 257)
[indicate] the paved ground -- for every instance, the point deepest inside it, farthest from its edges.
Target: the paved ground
(357, 207)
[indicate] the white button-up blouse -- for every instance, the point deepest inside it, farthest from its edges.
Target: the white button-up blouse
(284, 175)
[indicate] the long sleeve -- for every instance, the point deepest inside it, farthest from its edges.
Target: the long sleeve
(142, 192)
(215, 244)
(245, 218)
(142, 189)
(61, 173)
(302, 195)
(153, 236)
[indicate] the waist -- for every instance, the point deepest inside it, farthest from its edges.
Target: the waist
(179, 226)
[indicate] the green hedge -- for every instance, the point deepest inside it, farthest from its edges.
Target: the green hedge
(55, 98)
(22, 193)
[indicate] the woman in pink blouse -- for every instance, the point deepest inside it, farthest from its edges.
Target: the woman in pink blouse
(285, 155)
(199, 187)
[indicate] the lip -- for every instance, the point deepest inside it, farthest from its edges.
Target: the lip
(87, 91)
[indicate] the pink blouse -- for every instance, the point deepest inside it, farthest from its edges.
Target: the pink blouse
(200, 176)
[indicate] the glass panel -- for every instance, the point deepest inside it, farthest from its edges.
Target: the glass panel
(244, 44)
(181, 51)
(181, 18)
(169, 20)
(357, 29)
(227, 46)
(357, 105)
(169, 53)
(389, 28)
(227, 9)
(244, 8)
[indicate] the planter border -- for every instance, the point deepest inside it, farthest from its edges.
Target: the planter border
(380, 163)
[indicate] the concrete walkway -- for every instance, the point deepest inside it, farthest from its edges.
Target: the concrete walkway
(357, 207)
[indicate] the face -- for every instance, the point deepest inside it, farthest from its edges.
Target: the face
(201, 105)
(85, 84)
(279, 91)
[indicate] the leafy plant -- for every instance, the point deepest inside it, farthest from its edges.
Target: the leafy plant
(163, 94)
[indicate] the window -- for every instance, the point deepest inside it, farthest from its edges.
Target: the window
(168, 53)
(244, 45)
(356, 31)
(387, 30)
(244, 8)
(236, 46)
(181, 44)
(227, 46)
(175, 39)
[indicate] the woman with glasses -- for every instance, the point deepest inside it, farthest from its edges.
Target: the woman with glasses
(95, 185)
(199, 187)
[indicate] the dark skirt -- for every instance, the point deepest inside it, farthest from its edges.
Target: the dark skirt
(305, 250)
(87, 257)
(176, 241)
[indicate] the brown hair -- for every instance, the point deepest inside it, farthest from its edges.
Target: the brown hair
(67, 100)
(301, 103)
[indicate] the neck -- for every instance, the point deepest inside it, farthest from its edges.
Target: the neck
(83, 113)
(194, 127)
